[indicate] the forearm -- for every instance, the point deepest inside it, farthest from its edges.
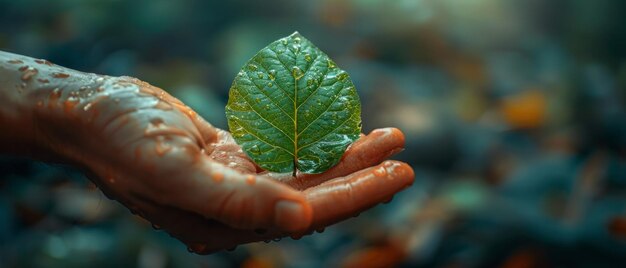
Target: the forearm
(39, 102)
(48, 111)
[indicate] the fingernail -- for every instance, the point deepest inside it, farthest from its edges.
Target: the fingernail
(290, 216)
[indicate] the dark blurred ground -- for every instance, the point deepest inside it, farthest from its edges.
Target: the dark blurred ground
(513, 111)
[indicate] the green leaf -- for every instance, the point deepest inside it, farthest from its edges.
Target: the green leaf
(291, 107)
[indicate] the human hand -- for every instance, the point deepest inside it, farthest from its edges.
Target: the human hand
(155, 155)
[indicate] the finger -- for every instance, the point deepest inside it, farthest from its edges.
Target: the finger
(368, 151)
(341, 198)
(201, 235)
(238, 200)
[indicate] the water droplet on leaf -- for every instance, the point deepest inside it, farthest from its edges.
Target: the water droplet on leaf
(296, 72)
(272, 74)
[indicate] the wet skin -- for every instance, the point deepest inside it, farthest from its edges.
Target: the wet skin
(149, 151)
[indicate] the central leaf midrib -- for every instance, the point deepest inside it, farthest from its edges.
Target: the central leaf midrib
(295, 112)
(298, 105)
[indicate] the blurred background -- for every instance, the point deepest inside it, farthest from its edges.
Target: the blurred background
(513, 111)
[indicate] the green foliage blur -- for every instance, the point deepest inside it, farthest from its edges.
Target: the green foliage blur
(513, 111)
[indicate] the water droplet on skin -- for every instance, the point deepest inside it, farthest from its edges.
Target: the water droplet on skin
(250, 179)
(308, 58)
(380, 172)
(156, 121)
(297, 72)
(54, 97)
(69, 104)
(199, 247)
(232, 164)
(296, 237)
(87, 107)
(45, 62)
(99, 79)
(29, 73)
(60, 75)
(218, 177)
(272, 74)
(260, 75)
(252, 67)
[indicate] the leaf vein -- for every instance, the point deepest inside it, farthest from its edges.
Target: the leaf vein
(277, 84)
(324, 136)
(272, 100)
(260, 116)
